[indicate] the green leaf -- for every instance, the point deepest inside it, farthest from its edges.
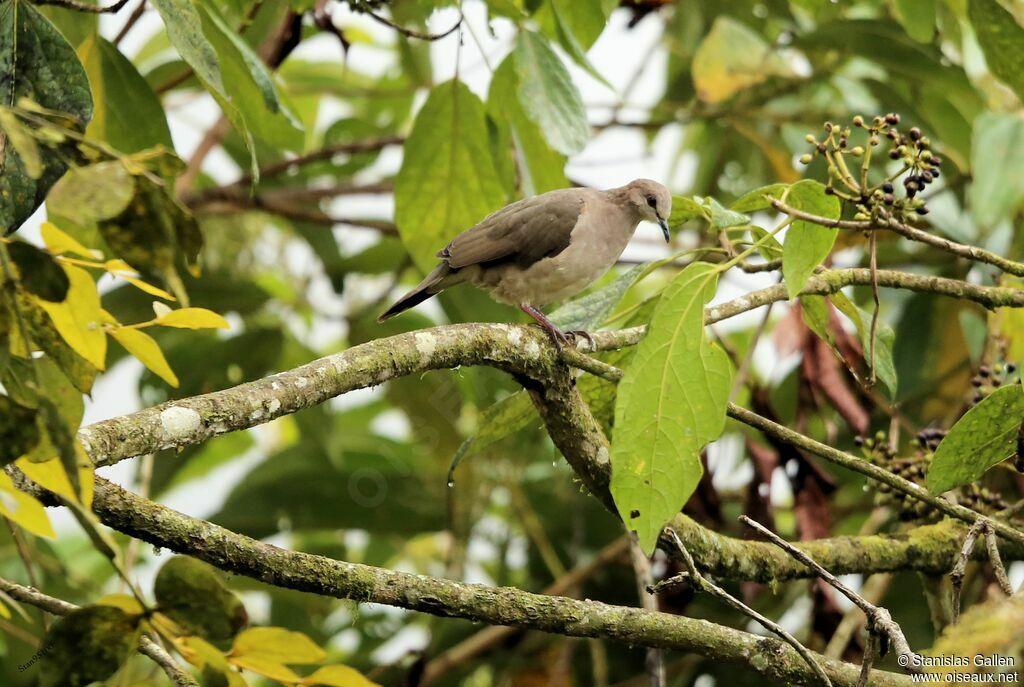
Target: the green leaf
(184, 24)
(448, 181)
(19, 433)
(192, 594)
(590, 310)
(576, 25)
(37, 64)
(733, 57)
(722, 218)
(670, 403)
(997, 189)
(885, 339)
(40, 273)
(128, 114)
(87, 645)
(541, 169)
(985, 436)
(807, 244)
(759, 198)
(1002, 40)
(90, 194)
(685, 209)
(250, 85)
(548, 94)
(917, 18)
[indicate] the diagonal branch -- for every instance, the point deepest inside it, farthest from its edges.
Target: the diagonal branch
(235, 553)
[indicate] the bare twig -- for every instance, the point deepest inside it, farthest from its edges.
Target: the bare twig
(411, 33)
(956, 577)
(996, 561)
(701, 583)
(870, 649)
(325, 153)
(133, 18)
(655, 659)
(84, 6)
(56, 606)
(879, 619)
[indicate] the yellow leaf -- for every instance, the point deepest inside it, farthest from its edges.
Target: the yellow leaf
(147, 350)
(50, 474)
(192, 318)
(148, 288)
(79, 318)
(201, 653)
(277, 644)
(266, 667)
(338, 676)
(127, 603)
(59, 242)
(4, 611)
(731, 58)
(23, 509)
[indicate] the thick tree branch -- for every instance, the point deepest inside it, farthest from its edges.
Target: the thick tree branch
(235, 553)
(517, 349)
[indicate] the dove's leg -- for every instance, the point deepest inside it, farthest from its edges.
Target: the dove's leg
(558, 337)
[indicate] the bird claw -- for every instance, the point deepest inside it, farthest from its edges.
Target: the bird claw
(577, 334)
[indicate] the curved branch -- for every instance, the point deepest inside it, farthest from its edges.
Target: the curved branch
(235, 553)
(55, 606)
(518, 349)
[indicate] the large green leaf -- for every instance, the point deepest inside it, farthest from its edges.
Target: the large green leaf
(128, 114)
(807, 244)
(670, 403)
(985, 436)
(1002, 40)
(997, 190)
(250, 85)
(540, 168)
(548, 94)
(448, 181)
(37, 64)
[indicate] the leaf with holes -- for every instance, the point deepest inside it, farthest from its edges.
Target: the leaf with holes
(38, 64)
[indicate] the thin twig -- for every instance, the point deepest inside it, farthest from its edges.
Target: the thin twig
(956, 577)
(996, 561)
(879, 619)
(873, 266)
(703, 584)
(147, 646)
(870, 649)
(83, 6)
(411, 33)
(599, 368)
(908, 232)
(134, 17)
(654, 662)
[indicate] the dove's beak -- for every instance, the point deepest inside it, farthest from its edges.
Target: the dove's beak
(663, 223)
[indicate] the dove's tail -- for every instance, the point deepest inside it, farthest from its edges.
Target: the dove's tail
(437, 281)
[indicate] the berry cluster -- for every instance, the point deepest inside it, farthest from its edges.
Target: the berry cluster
(914, 468)
(878, 202)
(988, 379)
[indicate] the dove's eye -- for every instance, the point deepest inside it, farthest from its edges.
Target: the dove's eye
(652, 201)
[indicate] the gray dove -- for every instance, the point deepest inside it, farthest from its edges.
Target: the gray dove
(544, 249)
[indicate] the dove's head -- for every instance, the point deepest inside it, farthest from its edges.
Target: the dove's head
(653, 202)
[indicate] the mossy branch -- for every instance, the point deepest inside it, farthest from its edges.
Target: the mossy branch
(235, 553)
